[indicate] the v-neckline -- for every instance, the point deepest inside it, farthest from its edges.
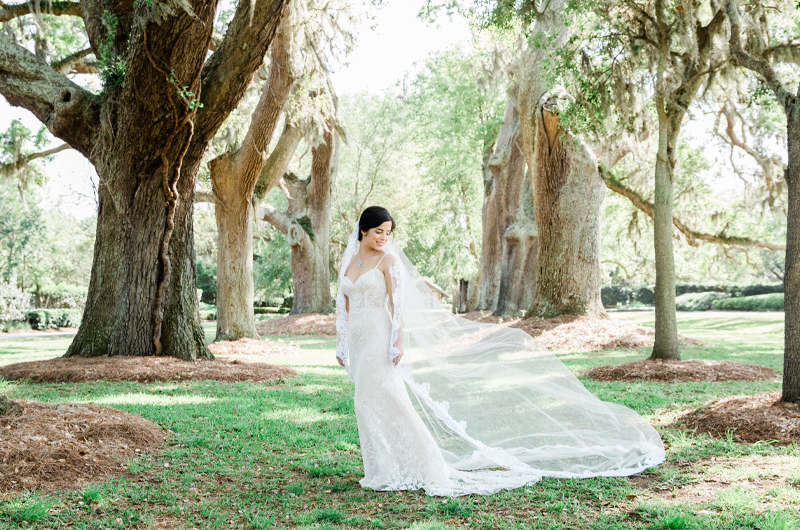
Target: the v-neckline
(364, 274)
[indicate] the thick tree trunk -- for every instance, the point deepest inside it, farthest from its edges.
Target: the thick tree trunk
(791, 355)
(508, 254)
(234, 177)
(491, 247)
(466, 295)
(306, 224)
(566, 185)
(118, 318)
(666, 345)
(148, 145)
(568, 194)
(234, 214)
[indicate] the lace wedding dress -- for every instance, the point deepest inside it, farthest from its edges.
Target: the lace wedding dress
(492, 409)
(399, 452)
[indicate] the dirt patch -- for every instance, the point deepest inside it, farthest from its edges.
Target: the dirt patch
(748, 418)
(64, 446)
(305, 324)
(688, 370)
(247, 346)
(141, 370)
(701, 481)
(574, 333)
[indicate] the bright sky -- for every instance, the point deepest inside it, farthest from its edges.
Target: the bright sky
(400, 39)
(382, 56)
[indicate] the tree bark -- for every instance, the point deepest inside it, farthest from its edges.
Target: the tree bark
(791, 279)
(233, 179)
(146, 139)
(568, 193)
(791, 355)
(509, 249)
(233, 211)
(306, 224)
(671, 106)
(666, 344)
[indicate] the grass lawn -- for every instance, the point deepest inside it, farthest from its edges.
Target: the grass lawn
(286, 455)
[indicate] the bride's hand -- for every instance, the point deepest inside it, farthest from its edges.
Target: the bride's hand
(340, 361)
(396, 360)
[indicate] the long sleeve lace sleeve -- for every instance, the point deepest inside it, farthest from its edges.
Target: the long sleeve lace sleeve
(341, 326)
(396, 341)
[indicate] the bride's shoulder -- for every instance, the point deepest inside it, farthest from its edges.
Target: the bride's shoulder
(387, 262)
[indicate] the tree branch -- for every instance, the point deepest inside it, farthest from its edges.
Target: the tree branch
(12, 11)
(229, 70)
(250, 157)
(69, 111)
(275, 217)
(73, 63)
(205, 196)
(278, 161)
(19, 164)
(758, 65)
(647, 207)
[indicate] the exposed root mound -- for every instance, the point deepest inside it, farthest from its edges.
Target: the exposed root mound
(61, 446)
(247, 346)
(749, 418)
(305, 324)
(688, 370)
(141, 370)
(574, 333)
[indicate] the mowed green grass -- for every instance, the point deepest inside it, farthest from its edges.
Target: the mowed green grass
(287, 455)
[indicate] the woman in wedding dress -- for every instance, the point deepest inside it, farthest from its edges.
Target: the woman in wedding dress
(492, 409)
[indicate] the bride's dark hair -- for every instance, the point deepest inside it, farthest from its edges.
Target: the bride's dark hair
(372, 217)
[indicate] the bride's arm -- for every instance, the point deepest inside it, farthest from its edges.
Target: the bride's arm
(342, 310)
(394, 286)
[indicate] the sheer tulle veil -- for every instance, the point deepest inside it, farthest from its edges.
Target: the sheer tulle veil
(504, 410)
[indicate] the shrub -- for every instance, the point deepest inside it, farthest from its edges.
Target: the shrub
(752, 290)
(42, 319)
(686, 288)
(615, 295)
(288, 302)
(698, 301)
(62, 296)
(761, 302)
(13, 302)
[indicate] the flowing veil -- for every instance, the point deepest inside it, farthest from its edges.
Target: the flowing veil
(503, 410)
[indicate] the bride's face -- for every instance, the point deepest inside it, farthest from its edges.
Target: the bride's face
(377, 237)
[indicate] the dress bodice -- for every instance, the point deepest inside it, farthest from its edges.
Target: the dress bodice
(368, 293)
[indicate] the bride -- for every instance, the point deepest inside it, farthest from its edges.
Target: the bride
(492, 409)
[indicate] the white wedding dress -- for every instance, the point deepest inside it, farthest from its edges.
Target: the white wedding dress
(492, 408)
(399, 452)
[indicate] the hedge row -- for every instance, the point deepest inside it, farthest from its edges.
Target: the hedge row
(613, 295)
(698, 301)
(54, 318)
(761, 302)
(211, 314)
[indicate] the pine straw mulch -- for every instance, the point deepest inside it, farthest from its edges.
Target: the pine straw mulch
(748, 418)
(686, 370)
(304, 324)
(141, 370)
(580, 333)
(54, 446)
(247, 346)
(566, 332)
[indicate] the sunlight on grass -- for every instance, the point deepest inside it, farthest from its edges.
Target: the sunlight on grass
(253, 456)
(151, 399)
(34, 349)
